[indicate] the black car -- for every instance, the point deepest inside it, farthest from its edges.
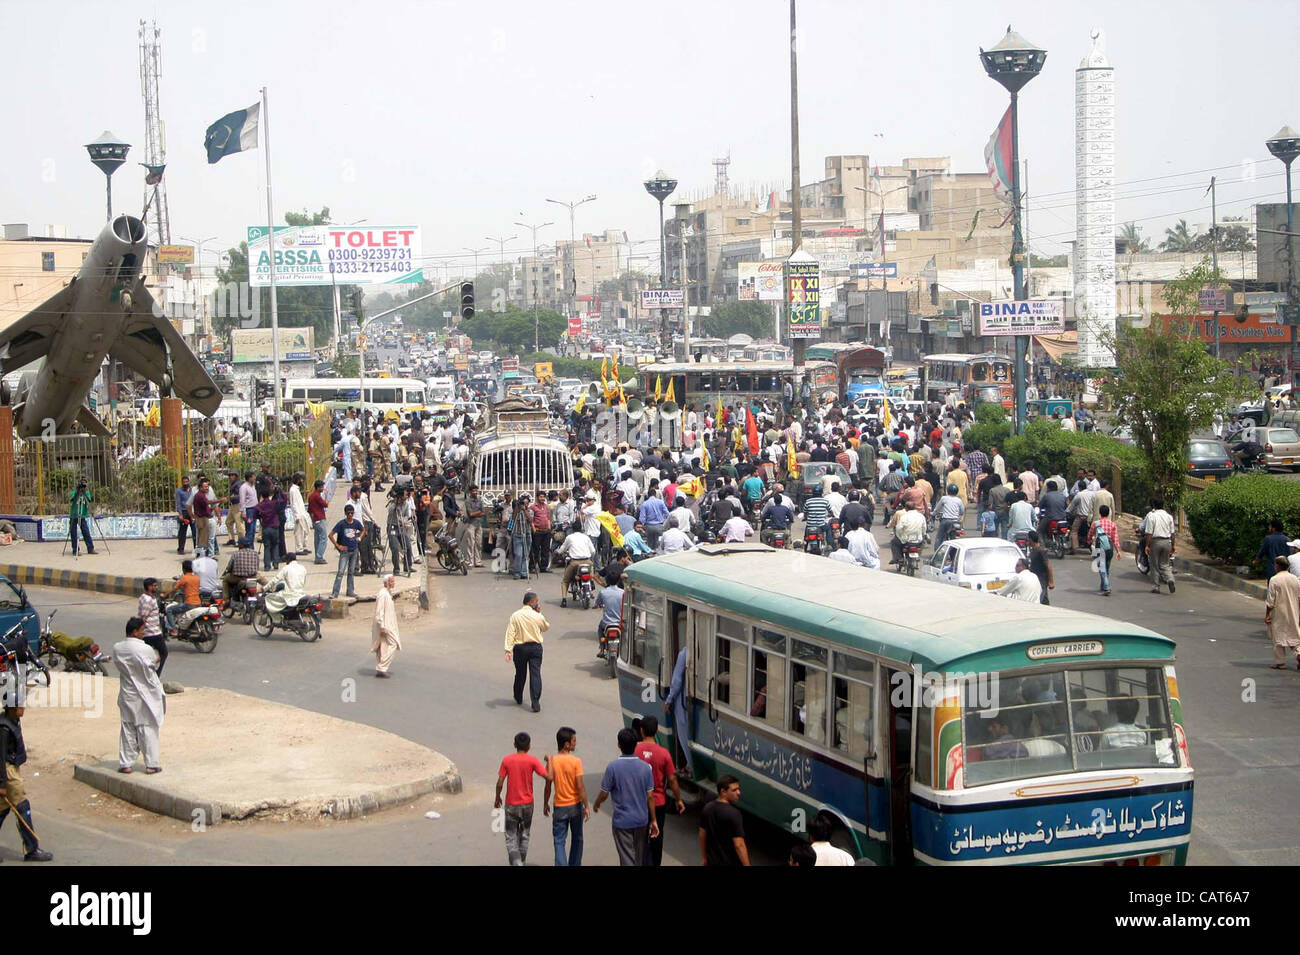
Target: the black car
(1209, 459)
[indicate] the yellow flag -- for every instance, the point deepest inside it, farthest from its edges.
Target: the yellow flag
(581, 402)
(791, 464)
(154, 418)
(659, 386)
(704, 456)
(719, 407)
(607, 521)
(668, 395)
(604, 369)
(886, 418)
(694, 487)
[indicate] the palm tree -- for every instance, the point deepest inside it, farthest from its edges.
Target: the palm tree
(1179, 239)
(1131, 238)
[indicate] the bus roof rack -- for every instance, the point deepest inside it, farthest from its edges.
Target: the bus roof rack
(733, 547)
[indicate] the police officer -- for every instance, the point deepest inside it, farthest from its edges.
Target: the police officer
(13, 753)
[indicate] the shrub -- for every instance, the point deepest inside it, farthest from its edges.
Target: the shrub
(1049, 447)
(991, 428)
(1229, 520)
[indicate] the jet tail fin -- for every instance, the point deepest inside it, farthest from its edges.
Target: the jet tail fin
(91, 424)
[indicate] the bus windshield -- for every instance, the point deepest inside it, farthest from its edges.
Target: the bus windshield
(1070, 721)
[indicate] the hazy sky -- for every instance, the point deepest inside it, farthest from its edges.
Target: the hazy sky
(463, 117)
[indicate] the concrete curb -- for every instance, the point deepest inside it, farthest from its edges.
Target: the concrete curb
(32, 576)
(150, 792)
(1215, 575)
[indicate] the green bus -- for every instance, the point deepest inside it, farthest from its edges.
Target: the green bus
(939, 726)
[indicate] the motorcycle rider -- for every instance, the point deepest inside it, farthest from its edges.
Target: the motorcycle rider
(577, 549)
(949, 511)
(187, 587)
(816, 512)
(776, 516)
(241, 567)
(286, 588)
(1052, 506)
(610, 600)
(908, 525)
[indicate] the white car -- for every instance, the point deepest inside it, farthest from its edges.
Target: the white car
(975, 563)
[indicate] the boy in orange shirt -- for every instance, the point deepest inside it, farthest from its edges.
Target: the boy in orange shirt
(571, 808)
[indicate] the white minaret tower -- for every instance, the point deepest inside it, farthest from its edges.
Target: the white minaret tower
(1094, 173)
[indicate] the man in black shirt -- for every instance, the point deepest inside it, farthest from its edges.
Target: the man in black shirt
(722, 828)
(1040, 566)
(13, 795)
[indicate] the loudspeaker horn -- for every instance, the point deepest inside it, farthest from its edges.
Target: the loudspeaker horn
(669, 411)
(635, 409)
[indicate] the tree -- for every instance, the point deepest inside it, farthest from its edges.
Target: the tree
(738, 318)
(296, 306)
(1167, 384)
(348, 366)
(512, 329)
(1234, 236)
(1179, 239)
(1048, 261)
(1131, 237)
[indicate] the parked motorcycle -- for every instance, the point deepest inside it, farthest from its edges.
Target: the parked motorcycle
(582, 589)
(79, 654)
(242, 601)
(303, 618)
(200, 626)
(16, 654)
(449, 556)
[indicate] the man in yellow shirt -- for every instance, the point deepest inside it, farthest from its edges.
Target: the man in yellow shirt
(524, 648)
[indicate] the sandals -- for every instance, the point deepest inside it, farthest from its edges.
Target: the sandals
(1277, 666)
(151, 770)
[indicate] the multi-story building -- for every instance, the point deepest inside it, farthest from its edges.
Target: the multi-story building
(591, 260)
(34, 267)
(542, 280)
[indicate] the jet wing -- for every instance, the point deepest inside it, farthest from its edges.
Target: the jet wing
(146, 343)
(30, 337)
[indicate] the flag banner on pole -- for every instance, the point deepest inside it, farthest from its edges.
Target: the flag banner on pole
(668, 395)
(704, 459)
(751, 428)
(235, 132)
(608, 522)
(153, 174)
(791, 462)
(659, 387)
(886, 419)
(997, 156)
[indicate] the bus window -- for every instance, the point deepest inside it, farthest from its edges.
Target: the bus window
(768, 700)
(414, 396)
(924, 745)
(742, 383)
(979, 371)
(1001, 371)
(1028, 734)
(808, 691)
(730, 671)
(852, 687)
(384, 396)
(1122, 714)
(647, 638)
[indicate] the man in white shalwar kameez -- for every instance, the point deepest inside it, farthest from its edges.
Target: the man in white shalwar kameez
(384, 638)
(140, 700)
(301, 519)
(294, 576)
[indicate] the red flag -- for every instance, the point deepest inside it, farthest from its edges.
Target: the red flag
(751, 429)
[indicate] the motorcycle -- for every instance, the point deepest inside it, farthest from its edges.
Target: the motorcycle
(1022, 541)
(813, 541)
(1059, 541)
(242, 601)
(79, 654)
(911, 559)
(449, 556)
(609, 643)
(777, 537)
(581, 588)
(303, 618)
(201, 625)
(16, 654)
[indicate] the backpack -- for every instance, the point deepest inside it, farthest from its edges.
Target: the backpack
(1103, 541)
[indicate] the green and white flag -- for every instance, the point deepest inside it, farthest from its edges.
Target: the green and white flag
(233, 133)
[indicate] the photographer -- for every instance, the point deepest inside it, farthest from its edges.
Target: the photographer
(79, 516)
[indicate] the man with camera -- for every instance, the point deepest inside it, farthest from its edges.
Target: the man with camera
(79, 516)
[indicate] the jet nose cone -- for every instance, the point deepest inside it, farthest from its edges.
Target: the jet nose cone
(129, 229)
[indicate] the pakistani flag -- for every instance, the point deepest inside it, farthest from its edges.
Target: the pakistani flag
(997, 156)
(233, 133)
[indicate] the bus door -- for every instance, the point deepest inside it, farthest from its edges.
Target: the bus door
(698, 668)
(896, 741)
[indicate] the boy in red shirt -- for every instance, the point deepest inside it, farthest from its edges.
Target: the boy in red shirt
(516, 775)
(661, 765)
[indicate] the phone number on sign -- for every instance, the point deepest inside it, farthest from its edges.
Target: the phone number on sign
(342, 268)
(368, 255)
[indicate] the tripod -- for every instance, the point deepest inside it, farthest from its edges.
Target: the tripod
(99, 534)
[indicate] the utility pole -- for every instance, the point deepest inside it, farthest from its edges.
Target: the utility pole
(799, 345)
(686, 299)
(1214, 251)
(501, 245)
(571, 280)
(534, 228)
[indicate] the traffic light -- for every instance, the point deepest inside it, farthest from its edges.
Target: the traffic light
(466, 301)
(263, 389)
(357, 301)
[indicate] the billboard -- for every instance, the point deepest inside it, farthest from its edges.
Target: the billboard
(662, 298)
(324, 255)
(1270, 224)
(175, 255)
(253, 345)
(805, 300)
(875, 270)
(575, 326)
(759, 281)
(1034, 317)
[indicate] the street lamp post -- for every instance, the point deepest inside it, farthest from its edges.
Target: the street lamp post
(572, 279)
(475, 252)
(1013, 63)
(203, 323)
(534, 228)
(661, 187)
(1285, 145)
(108, 153)
(501, 241)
